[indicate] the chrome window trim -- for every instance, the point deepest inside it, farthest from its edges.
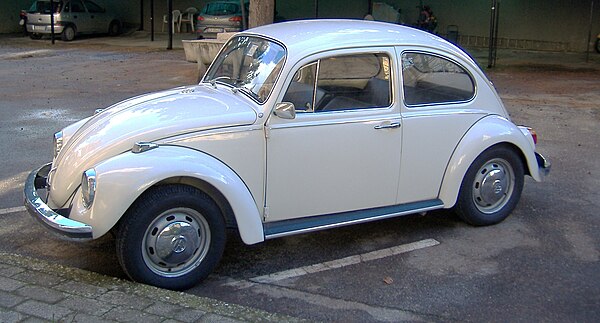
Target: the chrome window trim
(475, 86)
(389, 54)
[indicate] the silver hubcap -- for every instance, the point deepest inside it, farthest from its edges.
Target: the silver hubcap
(70, 33)
(176, 242)
(493, 186)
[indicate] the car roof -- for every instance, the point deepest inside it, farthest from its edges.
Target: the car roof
(304, 37)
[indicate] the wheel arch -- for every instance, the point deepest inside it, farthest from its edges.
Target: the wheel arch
(488, 132)
(123, 179)
(209, 190)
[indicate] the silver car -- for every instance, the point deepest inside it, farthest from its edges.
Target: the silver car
(218, 17)
(71, 17)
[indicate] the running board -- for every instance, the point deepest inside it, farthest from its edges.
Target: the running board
(320, 222)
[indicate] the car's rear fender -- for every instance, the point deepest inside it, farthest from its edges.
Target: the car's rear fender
(124, 178)
(485, 133)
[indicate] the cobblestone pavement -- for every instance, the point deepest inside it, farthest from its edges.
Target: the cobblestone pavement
(32, 290)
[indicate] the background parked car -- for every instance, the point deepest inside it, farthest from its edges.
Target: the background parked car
(220, 16)
(71, 17)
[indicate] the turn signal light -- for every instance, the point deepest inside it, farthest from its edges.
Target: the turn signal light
(533, 135)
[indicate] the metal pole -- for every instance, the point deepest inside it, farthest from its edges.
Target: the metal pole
(141, 15)
(244, 19)
(316, 8)
(587, 51)
(151, 20)
(52, 21)
(170, 15)
(497, 25)
(492, 33)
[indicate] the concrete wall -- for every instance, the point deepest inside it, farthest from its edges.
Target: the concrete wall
(532, 24)
(561, 22)
(9, 14)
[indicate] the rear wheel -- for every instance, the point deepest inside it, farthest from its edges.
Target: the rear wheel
(492, 187)
(598, 45)
(114, 28)
(172, 237)
(68, 33)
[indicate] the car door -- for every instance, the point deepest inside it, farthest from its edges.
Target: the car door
(99, 19)
(78, 15)
(342, 150)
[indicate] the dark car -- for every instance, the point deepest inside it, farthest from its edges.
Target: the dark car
(220, 16)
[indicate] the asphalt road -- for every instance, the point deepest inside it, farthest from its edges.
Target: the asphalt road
(541, 264)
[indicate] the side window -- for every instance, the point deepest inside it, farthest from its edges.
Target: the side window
(430, 79)
(93, 8)
(346, 82)
(77, 6)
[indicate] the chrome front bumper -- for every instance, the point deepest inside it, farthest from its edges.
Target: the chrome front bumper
(64, 227)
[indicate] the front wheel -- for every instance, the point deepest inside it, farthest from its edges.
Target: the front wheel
(491, 187)
(35, 36)
(172, 237)
(598, 45)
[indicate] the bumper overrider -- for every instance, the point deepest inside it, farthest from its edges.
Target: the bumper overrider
(544, 164)
(63, 226)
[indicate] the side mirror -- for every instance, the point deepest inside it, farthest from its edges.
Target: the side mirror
(285, 110)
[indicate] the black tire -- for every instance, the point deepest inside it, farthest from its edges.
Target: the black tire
(597, 45)
(68, 33)
(491, 187)
(35, 36)
(114, 28)
(172, 237)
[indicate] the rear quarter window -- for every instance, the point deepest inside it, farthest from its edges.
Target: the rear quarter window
(431, 79)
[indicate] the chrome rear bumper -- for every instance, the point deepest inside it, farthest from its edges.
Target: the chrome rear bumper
(544, 164)
(64, 227)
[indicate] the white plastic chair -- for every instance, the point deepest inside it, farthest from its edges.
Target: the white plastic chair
(176, 21)
(188, 17)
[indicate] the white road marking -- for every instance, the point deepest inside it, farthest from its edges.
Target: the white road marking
(31, 53)
(334, 264)
(12, 210)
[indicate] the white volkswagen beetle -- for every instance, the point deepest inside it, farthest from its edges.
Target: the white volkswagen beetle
(295, 127)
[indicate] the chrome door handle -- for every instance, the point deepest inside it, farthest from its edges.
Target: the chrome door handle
(388, 125)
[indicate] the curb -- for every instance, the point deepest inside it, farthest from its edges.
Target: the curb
(96, 286)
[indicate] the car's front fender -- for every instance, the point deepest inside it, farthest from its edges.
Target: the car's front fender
(485, 133)
(122, 179)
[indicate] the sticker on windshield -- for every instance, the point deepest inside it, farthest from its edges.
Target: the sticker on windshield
(252, 50)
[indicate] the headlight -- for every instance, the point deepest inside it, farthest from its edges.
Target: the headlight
(58, 142)
(88, 187)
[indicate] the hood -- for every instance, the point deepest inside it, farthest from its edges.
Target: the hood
(149, 117)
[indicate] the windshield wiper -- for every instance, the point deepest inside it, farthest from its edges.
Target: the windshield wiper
(234, 82)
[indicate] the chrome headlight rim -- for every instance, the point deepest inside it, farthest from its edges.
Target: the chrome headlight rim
(88, 187)
(58, 143)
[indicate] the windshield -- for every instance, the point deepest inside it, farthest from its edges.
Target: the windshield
(249, 64)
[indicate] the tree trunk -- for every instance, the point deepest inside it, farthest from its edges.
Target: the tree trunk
(261, 12)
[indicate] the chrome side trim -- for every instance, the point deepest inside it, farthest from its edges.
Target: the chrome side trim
(321, 222)
(64, 227)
